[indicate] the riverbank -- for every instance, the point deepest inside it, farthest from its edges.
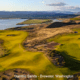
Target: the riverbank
(11, 23)
(12, 18)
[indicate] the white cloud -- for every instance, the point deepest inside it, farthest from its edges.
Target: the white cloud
(64, 7)
(57, 4)
(43, 2)
(69, 8)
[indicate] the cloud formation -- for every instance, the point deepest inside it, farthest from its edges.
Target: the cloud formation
(61, 6)
(69, 8)
(43, 2)
(57, 4)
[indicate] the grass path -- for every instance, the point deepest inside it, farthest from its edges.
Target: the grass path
(36, 62)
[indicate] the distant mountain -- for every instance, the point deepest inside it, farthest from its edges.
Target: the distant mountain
(65, 12)
(35, 14)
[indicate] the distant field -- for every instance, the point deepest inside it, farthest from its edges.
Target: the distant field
(75, 19)
(35, 21)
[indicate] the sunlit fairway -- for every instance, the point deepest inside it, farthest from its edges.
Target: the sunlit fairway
(69, 49)
(35, 62)
(71, 44)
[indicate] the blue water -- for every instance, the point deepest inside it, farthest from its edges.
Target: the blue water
(56, 20)
(9, 23)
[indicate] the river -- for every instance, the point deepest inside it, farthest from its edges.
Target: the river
(9, 23)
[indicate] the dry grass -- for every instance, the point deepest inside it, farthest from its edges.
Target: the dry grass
(46, 33)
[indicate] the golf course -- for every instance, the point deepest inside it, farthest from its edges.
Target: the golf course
(40, 40)
(16, 56)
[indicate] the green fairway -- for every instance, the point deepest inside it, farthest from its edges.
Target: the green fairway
(18, 57)
(35, 21)
(69, 49)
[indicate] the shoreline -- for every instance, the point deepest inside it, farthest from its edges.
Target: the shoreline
(10, 18)
(23, 25)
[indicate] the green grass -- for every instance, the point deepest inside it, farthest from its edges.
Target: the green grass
(37, 62)
(18, 57)
(75, 19)
(35, 21)
(70, 49)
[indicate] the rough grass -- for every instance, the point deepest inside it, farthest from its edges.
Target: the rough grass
(1, 51)
(36, 62)
(35, 21)
(75, 19)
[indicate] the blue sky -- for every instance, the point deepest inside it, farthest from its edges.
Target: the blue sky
(40, 5)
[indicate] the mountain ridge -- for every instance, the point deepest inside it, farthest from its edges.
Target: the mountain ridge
(35, 14)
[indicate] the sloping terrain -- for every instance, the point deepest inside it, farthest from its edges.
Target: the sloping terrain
(70, 50)
(36, 62)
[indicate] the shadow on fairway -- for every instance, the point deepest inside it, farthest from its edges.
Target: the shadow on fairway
(70, 61)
